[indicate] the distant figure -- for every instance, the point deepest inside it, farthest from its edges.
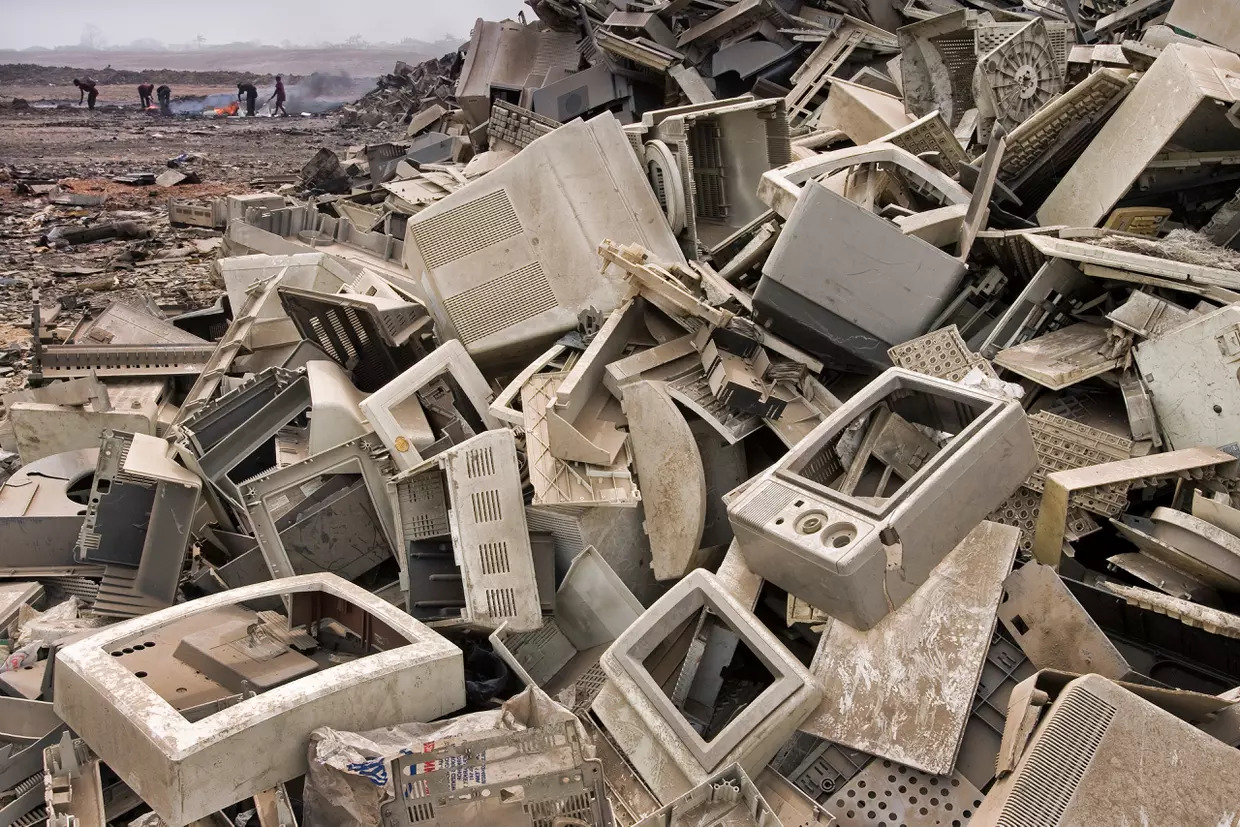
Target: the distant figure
(251, 96)
(165, 99)
(87, 87)
(279, 98)
(144, 94)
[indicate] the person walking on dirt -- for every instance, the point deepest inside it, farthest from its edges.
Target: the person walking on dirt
(165, 99)
(279, 97)
(251, 96)
(87, 87)
(144, 94)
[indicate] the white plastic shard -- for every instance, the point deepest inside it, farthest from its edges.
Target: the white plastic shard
(670, 476)
(397, 415)
(187, 770)
(904, 689)
(676, 650)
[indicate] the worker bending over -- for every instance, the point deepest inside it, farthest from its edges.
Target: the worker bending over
(251, 96)
(87, 87)
(165, 99)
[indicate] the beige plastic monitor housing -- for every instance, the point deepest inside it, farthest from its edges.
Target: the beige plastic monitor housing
(397, 415)
(187, 770)
(508, 261)
(804, 527)
(472, 492)
(312, 271)
(654, 734)
(1071, 768)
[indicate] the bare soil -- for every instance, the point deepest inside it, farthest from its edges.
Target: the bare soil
(80, 152)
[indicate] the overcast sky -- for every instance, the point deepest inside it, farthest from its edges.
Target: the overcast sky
(61, 22)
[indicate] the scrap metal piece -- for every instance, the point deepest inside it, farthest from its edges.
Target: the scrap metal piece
(650, 728)
(933, 646)
(1191, 375)
(1060, 485)
(1052, 627)
(1207, 545)
(408, 673)
(472, 493)
(859, 557)
(397, 415)
(1148, 316)
(1078, 735)
(929, 135)
(670, 476)
(1168, 579)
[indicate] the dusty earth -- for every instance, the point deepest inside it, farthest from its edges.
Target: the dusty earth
(76, 151)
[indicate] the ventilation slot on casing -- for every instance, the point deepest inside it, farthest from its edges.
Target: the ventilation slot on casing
(463, 231)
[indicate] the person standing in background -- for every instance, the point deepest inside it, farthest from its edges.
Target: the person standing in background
(144, 94)
(279, 97)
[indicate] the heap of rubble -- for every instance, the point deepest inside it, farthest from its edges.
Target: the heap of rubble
(746, 413)
(405, 90)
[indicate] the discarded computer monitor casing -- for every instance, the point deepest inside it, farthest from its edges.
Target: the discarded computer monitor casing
(187, 770)
(655, 736)
(858, 558)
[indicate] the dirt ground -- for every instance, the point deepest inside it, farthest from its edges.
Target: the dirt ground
(118, 95)
(79, 152)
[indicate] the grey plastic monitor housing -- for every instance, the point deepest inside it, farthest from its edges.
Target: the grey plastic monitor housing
(858, 559)
(654, 734)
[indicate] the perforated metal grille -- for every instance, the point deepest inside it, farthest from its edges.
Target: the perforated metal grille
(566, 810)
(464, 230)
(959, 54)
(496, 305)
(1057, 760)
(706, 141)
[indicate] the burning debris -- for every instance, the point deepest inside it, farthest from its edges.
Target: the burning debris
(738, 412)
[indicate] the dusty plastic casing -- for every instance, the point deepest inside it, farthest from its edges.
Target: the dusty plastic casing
(655, 735)
(859, 558)
(187, 770)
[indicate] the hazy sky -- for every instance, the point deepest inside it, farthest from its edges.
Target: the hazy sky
(61, 22)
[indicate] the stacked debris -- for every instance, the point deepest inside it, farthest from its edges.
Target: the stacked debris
(404, 91)
(743, 412)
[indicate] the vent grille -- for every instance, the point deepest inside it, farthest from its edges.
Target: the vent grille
(464, 230)
(569, 809)
(1058, 760)
(487, 508)
(501, 303)
(423, 509)
(479, 462)
(773, 499)
(494, 557)
(501, 603)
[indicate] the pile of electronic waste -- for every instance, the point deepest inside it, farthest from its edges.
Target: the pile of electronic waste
(761, 412)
